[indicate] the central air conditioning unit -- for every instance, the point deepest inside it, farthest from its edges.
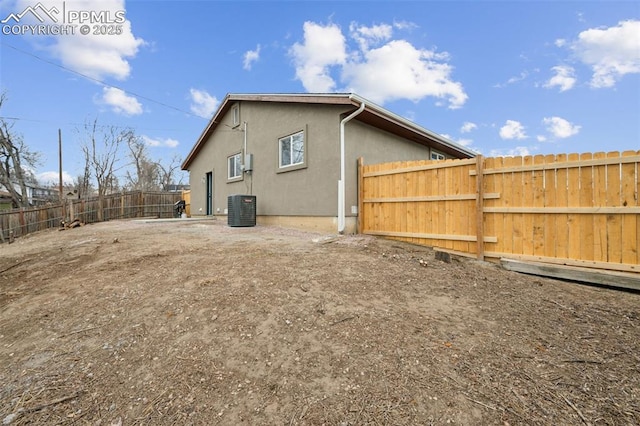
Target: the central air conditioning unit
(241, 210)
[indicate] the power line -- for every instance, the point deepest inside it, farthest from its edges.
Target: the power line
(33, 120)
(100, 81)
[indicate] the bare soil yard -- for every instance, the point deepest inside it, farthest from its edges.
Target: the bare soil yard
(186, 322)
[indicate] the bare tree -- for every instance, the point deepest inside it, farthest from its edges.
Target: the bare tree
(169, 172)
(101, 148)
(146, 175)
(82, 183)
(14, 156)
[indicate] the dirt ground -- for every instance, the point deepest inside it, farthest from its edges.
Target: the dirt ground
(193, 322)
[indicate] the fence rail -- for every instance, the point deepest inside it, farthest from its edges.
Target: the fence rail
(19, 222)
(580, 210)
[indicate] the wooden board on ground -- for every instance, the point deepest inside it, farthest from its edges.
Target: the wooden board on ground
(574, 273)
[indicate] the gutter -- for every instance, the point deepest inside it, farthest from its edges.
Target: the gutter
(341, 185)
(414, 127)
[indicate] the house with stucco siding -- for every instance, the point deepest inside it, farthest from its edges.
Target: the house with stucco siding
(297, 153)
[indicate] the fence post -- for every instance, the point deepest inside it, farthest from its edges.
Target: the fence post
(480, 206)
(360, 195)
(23, 225)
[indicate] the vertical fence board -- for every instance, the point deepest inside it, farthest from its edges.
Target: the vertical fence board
(470, 187)
(562, 200)
(490, 219)
(477, 214)
(629, 198)
(512, 225)
(637, 186)
(421, 213)
(600, 200)
(500, 218)
(527, 201)
(614, 222)
(435, 207)
(549, 200)
(379, 191)
(443, 175)
(586, 196)
(537, 196)
(455, 208)
(573, 221)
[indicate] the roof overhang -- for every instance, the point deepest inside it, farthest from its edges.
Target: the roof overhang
(372, 115)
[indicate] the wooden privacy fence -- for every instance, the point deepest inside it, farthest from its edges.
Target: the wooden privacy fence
(580, 210)
(19, 222)
(186, 196)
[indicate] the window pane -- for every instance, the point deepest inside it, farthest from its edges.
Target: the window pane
(234, 167)
(238, 166)
(298, 148)
(236, 115)
(292, 150)
(285, 152)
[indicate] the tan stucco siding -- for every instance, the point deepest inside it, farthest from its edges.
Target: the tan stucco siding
(308, 191)
(374, 146)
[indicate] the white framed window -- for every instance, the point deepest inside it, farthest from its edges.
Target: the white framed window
(234, 166)
(291, 150)
(235, 113)
(435, 155)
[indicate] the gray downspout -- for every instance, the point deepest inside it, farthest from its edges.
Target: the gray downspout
(341, 184)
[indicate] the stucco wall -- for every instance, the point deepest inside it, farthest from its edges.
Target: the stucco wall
(309, 191)
(374, 146)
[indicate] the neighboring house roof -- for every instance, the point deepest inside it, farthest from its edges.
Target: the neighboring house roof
(176, 187)
(373, 115)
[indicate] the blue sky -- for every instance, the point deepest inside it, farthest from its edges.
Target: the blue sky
(502, 77)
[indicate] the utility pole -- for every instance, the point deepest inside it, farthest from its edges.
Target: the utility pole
(61, 195)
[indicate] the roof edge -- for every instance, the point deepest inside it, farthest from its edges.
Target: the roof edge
(320, 98)
(413, 126)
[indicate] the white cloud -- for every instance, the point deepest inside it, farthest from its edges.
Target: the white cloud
(512, 130)
(398, 70)
(97, 56)
(610, 52)
(120, 102)
(168, 142)
(250, 57)
(523, 75)
(565, 78)
(467, 143)
(560, 42)
(468, 126)
(560, 128)
(202, 103)
(366, 36)
(53, 178)
(518, 151)
(323, 47)
(464, 142)
(379, 68)
(404, 25)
